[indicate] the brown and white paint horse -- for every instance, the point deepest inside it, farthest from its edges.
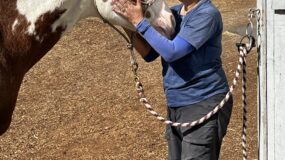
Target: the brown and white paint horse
(30, 28)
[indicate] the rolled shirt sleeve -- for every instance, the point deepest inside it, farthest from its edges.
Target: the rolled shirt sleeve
(199, 29)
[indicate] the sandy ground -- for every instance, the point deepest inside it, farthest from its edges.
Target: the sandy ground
(79, 101)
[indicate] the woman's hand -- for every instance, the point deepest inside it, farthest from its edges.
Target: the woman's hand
(131, 11)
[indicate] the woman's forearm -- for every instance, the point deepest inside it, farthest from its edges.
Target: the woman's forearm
(169, 50)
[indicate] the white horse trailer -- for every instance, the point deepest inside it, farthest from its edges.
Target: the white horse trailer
(272, 80)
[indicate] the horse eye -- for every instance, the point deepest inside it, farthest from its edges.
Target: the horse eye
(147, 14)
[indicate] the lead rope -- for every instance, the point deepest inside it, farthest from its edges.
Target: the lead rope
(243, 48)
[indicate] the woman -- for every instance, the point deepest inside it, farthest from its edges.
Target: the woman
(193, 77)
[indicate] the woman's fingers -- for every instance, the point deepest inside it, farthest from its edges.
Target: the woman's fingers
(130, 10)
(119, 11)
(138, 2)
(121, 3)
(118, 7)
(118, 4)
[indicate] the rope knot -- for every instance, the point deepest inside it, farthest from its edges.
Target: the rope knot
(135, 67)
(130, 46)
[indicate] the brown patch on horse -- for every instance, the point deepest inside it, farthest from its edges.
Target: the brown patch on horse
(48, 38)
(28, 47)
(13, 42)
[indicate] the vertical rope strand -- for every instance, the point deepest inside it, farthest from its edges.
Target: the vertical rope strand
(244, 126)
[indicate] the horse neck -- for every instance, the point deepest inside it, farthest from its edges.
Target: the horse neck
(88, 9)
(10, 81)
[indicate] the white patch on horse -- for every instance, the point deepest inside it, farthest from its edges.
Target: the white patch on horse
(32, 13)
(16, 22)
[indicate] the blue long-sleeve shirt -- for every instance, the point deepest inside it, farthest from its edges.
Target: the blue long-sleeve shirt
(192, 66)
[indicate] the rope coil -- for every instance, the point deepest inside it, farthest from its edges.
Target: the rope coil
(148, 106)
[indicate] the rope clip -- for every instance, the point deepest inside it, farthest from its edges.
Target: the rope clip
(248, 41)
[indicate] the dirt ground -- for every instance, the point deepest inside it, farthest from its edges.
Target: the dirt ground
(79, 101)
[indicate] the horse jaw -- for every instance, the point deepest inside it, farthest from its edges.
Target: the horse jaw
(105, 10)
(161, 18)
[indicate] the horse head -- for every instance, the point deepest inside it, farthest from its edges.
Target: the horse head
(155, 11)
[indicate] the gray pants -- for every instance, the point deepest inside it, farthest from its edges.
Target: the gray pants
(202, 142)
